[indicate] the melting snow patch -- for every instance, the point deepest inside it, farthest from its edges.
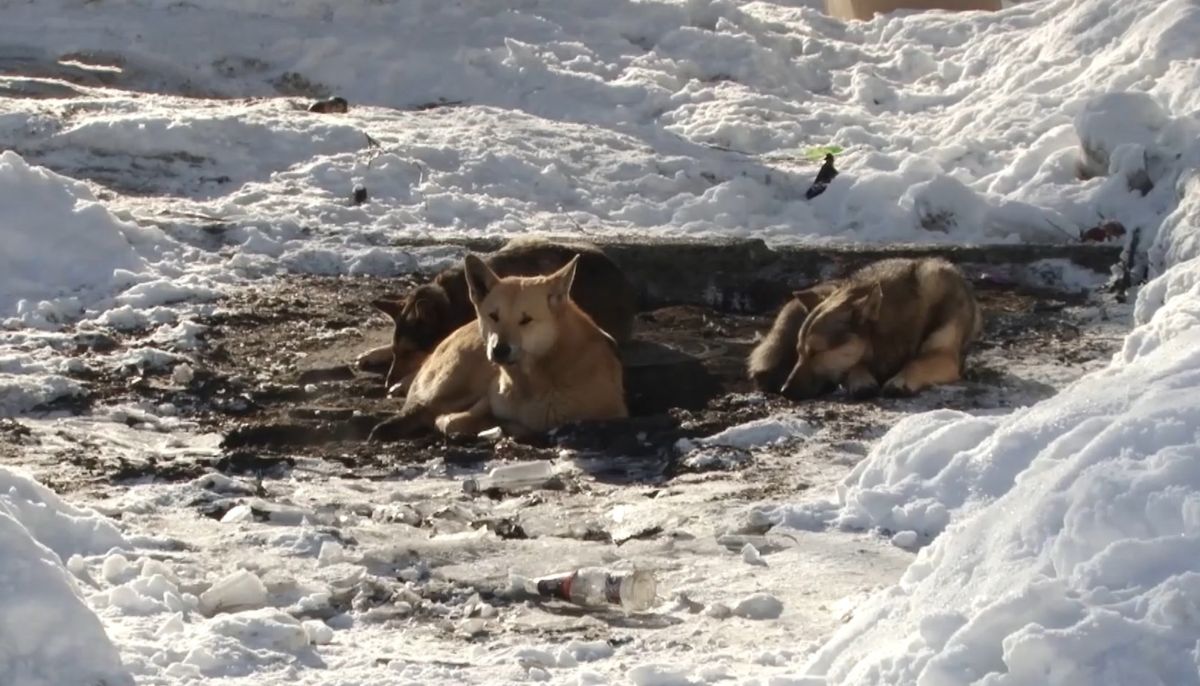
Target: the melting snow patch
(759, 606)
(659, 675)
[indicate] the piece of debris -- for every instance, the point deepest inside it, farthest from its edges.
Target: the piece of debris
(638, 535)
(507, 528)
(334, 105)
(826, 175)
(1123, 272)
(684, 602)
(513, 477)
(1103, 232)
(359, 195)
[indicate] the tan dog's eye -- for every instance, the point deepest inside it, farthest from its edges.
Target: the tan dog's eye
(525, 319)
(495, 317)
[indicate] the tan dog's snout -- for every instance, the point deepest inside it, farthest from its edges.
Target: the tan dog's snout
(500, 351)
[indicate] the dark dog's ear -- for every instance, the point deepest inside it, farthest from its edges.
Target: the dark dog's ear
(391, 308)
(560, 282)
(480, 278)
(813, 296)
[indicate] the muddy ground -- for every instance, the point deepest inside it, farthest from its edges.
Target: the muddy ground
(275, 377)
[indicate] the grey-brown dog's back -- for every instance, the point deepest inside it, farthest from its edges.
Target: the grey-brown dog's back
(922, 306)
(919, 296)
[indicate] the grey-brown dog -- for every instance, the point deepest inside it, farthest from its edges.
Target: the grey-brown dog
(899, 325)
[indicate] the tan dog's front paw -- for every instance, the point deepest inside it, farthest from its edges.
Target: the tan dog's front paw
(400, 388)
(899, 387)
(452, 424)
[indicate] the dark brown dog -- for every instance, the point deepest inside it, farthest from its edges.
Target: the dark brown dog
(429, 313)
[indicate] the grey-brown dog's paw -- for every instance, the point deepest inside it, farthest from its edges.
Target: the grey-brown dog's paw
(863, 390)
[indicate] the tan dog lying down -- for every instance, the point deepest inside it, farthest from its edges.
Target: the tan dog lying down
(431, 312)
(546, 363)
(902, 323)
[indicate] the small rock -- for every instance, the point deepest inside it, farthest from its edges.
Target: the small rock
(719, 611)
(183, 374)
(334, 105)
(238, 513)
(759, 606)
(905, 539)
(359, 194)
(751, 556)
(318, 632)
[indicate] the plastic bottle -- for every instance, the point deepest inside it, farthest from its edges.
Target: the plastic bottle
(512, 477)
(635, 591)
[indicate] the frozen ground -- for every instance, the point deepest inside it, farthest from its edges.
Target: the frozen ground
(160, 165)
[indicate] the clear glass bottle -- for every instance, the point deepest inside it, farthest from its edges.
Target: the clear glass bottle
(512, 477)
(635, 591)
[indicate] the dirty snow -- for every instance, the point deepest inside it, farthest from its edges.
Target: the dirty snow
(152, 165)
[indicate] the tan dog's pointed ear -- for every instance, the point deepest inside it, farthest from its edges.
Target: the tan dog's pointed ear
(480, 278)
(391, 308)
(560, 282)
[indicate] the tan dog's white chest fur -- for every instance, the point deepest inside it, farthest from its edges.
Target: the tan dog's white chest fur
(553, 364)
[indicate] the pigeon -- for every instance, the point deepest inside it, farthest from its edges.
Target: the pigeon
(824, 177)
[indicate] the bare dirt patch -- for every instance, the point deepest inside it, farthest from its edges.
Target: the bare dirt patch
(275, 376)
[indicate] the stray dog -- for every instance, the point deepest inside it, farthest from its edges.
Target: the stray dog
(905, 322)
(532, 361)
(773, 358)
(429, 313)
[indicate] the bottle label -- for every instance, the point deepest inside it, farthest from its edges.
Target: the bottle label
(556, 586)
(612, 588)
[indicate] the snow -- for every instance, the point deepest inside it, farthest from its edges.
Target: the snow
(1067, 531)
(240, 590)
(688, 118)
(48, 635)
(45, 210)
(1055, 543)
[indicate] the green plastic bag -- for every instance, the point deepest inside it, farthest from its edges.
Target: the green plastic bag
(821, 151)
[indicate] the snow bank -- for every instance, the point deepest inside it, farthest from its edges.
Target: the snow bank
(64, 529)
(57, 239)
(693, 118)
(1071, 528)
(48, 636)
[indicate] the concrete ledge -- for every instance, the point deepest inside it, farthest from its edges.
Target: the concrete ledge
(749, 276)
